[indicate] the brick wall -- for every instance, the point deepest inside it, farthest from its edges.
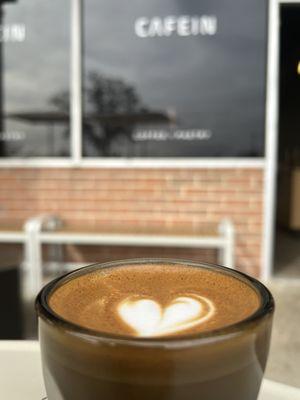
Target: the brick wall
(172, 198)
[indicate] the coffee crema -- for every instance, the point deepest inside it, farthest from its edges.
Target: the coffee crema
(154, 300)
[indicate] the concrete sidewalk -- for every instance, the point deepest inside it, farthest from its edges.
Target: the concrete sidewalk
(284, 361)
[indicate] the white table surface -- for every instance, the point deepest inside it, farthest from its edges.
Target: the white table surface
(21, 375)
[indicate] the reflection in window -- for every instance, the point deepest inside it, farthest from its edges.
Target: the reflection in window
(174, 78)
(34, 36)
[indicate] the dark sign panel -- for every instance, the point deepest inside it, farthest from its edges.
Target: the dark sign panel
(289, 122)
(175, 78)
(35, 48)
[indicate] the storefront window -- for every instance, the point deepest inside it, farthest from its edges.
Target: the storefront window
(161, 79)
(35, 48)
(174, 78)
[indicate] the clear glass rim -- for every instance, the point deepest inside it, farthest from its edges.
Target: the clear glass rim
(45, 312)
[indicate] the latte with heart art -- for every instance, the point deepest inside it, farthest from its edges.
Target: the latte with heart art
(148, 318)
(154, 300)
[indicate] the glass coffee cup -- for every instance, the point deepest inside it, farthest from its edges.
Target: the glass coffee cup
(227, 363)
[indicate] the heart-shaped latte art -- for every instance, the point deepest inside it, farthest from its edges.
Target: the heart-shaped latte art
(148, 318)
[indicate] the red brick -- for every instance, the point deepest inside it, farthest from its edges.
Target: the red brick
(166, 197)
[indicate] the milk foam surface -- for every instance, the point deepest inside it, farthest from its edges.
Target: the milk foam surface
(148, 318)
(153, 300)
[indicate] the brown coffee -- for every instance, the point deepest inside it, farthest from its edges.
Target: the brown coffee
(154, 300)
(154, 329)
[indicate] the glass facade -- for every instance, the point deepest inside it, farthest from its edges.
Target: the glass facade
(161, 79)
(174, 78)
(35, 48)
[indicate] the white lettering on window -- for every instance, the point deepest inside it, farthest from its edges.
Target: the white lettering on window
(12, 33)
(156, 27)
(12, 136)
(170, 25)
(208, 25)
(141, 27)
(183, 25)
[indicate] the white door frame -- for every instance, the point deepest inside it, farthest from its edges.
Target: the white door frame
(272, 113)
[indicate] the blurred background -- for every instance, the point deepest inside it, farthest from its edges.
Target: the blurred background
(151, 129)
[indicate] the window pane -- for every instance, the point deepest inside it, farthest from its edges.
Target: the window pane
(174, 78)
(289, 123)
(35, 43)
